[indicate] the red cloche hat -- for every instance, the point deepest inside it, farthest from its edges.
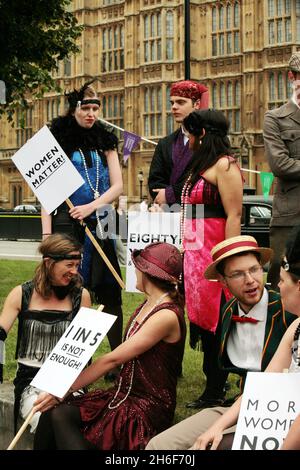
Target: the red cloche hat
(160, 260)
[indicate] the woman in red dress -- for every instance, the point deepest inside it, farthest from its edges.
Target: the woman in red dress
(211, 212)
(143, 401)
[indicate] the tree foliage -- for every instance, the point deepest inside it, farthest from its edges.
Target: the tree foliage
(35, 35)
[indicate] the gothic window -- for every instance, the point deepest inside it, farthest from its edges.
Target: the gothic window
(229, 95)
(279, 89)
(237, 93)
(152, 112)
(225, 29)
(227, 98)
(67, 66)
(152, 37)
(279, 21)
(214, 19)
(215, 96)
(222, 95)
(236, 15)
(113, 110)
(112, 49)
(170, 120)
(169, 35)
(24, 124)
(280, 86)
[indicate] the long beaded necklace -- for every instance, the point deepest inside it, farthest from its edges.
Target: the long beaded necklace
(184, 206)
(96, 189)
(132, 326)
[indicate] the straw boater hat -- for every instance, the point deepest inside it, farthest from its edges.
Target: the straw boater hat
(160, 260)
(231, 247)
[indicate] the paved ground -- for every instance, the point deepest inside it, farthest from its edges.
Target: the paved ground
(19, 250)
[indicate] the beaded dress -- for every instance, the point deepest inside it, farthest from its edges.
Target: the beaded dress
(201, 234)
(38, 333)
(143, 402)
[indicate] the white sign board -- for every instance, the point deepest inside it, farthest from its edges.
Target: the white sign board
(145, 228)
(73, 351)
(47, 169)
(270, 403)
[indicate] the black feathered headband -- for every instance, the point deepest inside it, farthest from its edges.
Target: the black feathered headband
(76, 97)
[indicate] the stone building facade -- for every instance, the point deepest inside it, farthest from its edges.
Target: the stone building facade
(239, 49)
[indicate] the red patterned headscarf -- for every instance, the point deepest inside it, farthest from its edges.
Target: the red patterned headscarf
(188, 89)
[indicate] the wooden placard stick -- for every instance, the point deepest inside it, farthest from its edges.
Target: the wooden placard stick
(22, 429)
(99, 249)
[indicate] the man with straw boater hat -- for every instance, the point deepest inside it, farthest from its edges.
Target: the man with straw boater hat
(253, 323)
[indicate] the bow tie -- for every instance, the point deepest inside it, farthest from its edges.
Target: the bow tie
(245, 319)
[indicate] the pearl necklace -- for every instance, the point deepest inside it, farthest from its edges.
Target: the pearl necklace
(111, 404)
(95, 190)
(184, 205)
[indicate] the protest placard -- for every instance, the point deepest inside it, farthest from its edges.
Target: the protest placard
(73, 351)
(145, 228)
(47, 169)
(271, 402)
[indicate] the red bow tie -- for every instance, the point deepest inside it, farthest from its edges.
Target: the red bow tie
(244, 319)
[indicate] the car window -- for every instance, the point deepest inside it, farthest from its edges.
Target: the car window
(25, 208)
(260, 215)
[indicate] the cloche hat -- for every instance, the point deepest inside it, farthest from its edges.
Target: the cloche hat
(159, 260)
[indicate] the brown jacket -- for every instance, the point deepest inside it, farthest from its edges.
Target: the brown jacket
(282, 147)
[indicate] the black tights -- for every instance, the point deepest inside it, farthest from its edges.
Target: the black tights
(59, 429)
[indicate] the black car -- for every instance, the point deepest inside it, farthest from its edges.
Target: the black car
(256, 217)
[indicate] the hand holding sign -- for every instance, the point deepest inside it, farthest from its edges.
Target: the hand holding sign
(47, 169)
(73, 351)
(69, 356)
(52, 177)
(269, 406)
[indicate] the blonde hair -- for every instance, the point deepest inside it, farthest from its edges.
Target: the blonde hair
(58, 244)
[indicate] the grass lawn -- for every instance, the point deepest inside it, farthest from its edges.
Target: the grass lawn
(190, 385)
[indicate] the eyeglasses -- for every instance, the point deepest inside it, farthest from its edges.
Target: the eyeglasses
(242, 275)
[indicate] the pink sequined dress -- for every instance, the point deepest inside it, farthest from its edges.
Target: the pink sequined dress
(201, 234)
(149, 408)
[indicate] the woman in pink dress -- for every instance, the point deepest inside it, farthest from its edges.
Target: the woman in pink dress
(142, 403)
(211, 212)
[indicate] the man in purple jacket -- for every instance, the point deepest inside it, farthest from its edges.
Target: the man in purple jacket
(172, 154)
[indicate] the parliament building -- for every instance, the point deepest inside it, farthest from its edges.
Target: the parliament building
(136, 48)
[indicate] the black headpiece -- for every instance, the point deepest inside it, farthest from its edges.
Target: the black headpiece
(194, 124)
(76, 96)
(62, 256)
(291, 261)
